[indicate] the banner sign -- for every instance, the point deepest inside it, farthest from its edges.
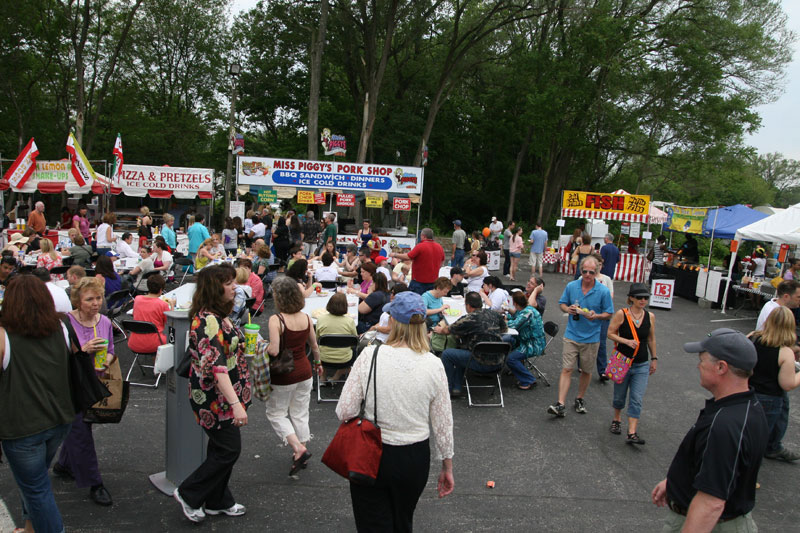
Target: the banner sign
(237, 209)
(310, 197)
(24, 165)
(599, 205)
(401, 204)
(267, 196)
(333, 144)
(51, 177)
(374, 201)
(686, 219)
(82, 169)
(271, 172)
(346, 200)
(163, 182)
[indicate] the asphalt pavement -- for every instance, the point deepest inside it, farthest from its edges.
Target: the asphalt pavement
(569, 474)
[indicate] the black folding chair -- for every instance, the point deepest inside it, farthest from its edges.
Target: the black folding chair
(551, 330)
(142, 327)
(328, 284)
(487, 354)
(115, 303)
(240, 316)
(67, 260)
(59, 270)
(187, 263)
(335, 341)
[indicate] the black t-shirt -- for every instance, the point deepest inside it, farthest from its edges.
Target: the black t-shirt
(457, 290)
(375, 300)
(642, 332)
(721, 454)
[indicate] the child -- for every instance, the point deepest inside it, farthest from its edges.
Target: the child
(382, 327)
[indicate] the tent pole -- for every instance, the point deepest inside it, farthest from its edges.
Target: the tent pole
(419, 205)
(711, 244)
(730, 274)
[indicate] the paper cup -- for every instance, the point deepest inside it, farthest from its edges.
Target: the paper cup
(251, 339)
(101, 356)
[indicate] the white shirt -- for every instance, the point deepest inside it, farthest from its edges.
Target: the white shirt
(765, 311)
(248, 290)
(760, 263)
(124, 250)
(386, 272)
(498, 297)
(60, 298)
(326, 273)
(405, 414)
(258, 230)
(102, 236)
(232, 237)
(495, 228)
(608, 282)
(383, 322)
(475, 284)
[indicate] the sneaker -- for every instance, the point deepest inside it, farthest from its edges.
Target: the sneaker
(236, 510)
(580, 406)
(784, 454)
(195, 515)
(557, 409)
(616, 427)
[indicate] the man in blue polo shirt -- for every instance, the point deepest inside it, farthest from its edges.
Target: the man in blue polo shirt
(588, 302)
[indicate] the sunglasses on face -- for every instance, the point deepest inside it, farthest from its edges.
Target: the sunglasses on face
(592, 272)
(641, 297)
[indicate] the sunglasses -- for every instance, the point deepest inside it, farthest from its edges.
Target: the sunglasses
(592, 272)
(640, 297)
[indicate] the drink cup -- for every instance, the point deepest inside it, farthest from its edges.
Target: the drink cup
(101, 356)
(251, 339)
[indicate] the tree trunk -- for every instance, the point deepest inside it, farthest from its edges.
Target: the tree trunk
(523, 152)
(317, 48)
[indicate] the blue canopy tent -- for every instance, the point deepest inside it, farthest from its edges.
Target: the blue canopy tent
(722, 223)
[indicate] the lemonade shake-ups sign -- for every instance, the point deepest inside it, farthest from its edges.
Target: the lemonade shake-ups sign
(272, 172)
(605, 205)
(686, 219)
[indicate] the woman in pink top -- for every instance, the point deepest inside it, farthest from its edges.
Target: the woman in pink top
(515, 251)
(150, 308)
(81, 223)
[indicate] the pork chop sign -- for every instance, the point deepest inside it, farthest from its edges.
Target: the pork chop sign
(270, 172)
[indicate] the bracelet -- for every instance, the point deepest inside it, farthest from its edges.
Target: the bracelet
(654, 358)
(317, 362)
(234, 403)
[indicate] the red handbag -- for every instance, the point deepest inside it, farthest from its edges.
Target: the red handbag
(356, 449)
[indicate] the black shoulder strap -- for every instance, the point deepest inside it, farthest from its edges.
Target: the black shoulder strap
(373, 371)
(73, 337)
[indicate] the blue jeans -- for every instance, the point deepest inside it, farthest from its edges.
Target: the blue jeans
(419, 288)
(29, 459)
(602, 356)
(455, 363)
(458, 258)
(516, 363)
(636, 382)
(776, 424)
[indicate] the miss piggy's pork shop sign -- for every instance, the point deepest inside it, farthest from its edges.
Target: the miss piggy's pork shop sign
(164, 182)
(270, 172)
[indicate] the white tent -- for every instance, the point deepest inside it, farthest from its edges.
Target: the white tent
(782, 227)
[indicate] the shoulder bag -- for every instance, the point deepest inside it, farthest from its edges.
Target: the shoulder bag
(356, 449)
(86, 387)
(283, 363)
(619, 364)
(651, 254)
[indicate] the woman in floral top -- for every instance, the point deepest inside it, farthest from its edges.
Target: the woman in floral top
(219, 391)
(49, 258)
(529, 342)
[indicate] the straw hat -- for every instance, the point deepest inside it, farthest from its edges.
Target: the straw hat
(18, 238)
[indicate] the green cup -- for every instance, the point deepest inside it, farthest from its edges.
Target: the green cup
(101, 356)
(251, 339)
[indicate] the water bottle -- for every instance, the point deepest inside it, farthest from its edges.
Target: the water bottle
(576, 317)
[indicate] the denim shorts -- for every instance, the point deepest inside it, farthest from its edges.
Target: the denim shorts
(515, 254)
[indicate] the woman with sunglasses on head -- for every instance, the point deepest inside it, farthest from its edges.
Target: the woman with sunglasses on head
(644, 356)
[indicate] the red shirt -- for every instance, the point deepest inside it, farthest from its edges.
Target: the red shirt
(257, 287)
(427, 257)
(150, 310)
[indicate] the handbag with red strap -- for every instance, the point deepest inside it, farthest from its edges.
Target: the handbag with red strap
(356, 449)
(619, 364)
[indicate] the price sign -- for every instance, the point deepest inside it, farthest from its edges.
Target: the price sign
(625, 228)
(560, 222)
(267, 197)
(401, 204)
(374, 201)
(346, 200)
(305, 197)
(635, 229)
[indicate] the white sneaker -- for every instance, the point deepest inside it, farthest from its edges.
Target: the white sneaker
(236, 510)
(195, 515)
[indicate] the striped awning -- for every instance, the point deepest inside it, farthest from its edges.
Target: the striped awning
(602, 215)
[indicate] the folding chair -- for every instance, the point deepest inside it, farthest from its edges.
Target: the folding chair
(141, 327)
(335, 341)
(59, 271)
(185, 262)
(551, 330)
(135, 290)
(487, 353)
(248, 303)
(115, 304)
(67, 261)
(328, 284)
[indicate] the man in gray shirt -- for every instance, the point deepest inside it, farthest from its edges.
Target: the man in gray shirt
(459, 239)
(507, 235)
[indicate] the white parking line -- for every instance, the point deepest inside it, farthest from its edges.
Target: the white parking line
(732, 319)
(6, 523)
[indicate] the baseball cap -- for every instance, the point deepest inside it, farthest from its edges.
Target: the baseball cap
(728, 345)
(456, 222)
(494, 219)
(404, 306)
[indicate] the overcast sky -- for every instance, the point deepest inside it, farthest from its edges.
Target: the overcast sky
(780, 120)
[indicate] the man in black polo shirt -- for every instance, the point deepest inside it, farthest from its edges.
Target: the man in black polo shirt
(711, 483)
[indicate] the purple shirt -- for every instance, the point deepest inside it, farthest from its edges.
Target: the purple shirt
(104, 330)
(83, 225)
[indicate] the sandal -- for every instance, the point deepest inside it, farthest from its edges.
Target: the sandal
(634, 438)
(616, 427)
(298, 463)
(520, 386)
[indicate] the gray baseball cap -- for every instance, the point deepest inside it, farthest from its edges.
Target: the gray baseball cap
(728, 345)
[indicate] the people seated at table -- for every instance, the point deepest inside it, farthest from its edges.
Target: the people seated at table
(17, 244)
(262, 257)
(529, 341)
(383, 266)
(163, 241)
(350, 262)
(80, 251)
(368, 271)
(60, 298)
(383, 327)
(534, 290)
(240, 295)
(478, 325)
(457, 284)
(204, 255)
(335, 322)
(217, 248)
(124, 249)
(475, 270)
(401, 273)
(74, 274)
(162, 259)
(150, 307)
(329, 248)
(328, 271)
(136, 276)
(295, 253)
(433, 300)
(253, 281)
(371, 307)
(8, 267)
(299, 273)
(494, 295)
(49, 258)
(104, 271)
(242, 275)
(33, 240)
